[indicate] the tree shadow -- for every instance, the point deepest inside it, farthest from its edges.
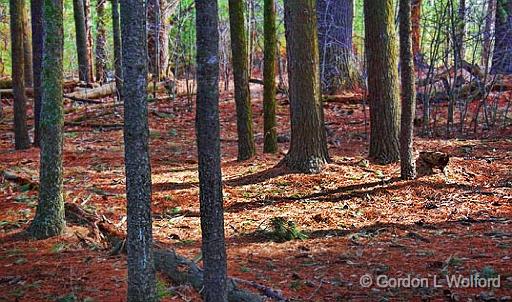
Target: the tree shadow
(259, 177)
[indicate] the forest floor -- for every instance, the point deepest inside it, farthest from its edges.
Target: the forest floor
(360, 219)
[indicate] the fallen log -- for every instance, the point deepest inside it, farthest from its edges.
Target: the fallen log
(9, 94)
(350, 98)
(179, 269)
(279, 90)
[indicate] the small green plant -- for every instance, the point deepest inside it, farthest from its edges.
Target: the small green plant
(162, 291)
(285, 230)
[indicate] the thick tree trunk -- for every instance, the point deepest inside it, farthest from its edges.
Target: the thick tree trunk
(81, 41)
(27, 48)
(308, 146)
(502, 55)
(416, 28)
(118, 58)
(36, 9)
(101, 41)
(141, 270)
(269, 78)
(49, 220)
(21, 138)
(461, 31)
(383, 95)
(337, 72)
(246, 146)
(208, 148)
(407, 164)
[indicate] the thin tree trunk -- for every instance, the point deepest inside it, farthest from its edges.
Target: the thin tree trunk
(116, 34)
(36, 9)
(246, 146)
(49, 220)
(101, 41)
(88, 34)
(208, 148)
(308, 146)
(81, 41)
(27, 48)
(383, 94)
(407, 164)
(269, 78)
(487, 33)
(21, 138)
(141, 270)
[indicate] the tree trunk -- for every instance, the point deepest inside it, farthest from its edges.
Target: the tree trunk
(502, 55)
(308, 146)
(416, 29)
(141, 270)
(81, 41)
(383, 95)
(337, 72)
(21, 138)
(116, 34)
(461, 31)
(208, 148)
(246, 147)
(158, 39)
(407, 164)
(101, 41)
(487, 33)
(269, 78)
(49, 220)
(27, 48)
(36, 9)
(88, 35)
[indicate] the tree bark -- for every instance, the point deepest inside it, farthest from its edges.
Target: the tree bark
(118, 58)
(487, 33)
(416, 29)
(27, 48)
(246, 146)
(407, 164)
(383, 95)
(21, 138)
(208, 148)
(101, 41)
(502, 55)
(269, 78)
(49, 220)
(308, 146)
(335, 18)
(158, 39)
(81, 41)
(36, 9)
(141, 270)
(88, 35)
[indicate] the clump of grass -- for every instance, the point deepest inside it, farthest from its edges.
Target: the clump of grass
(285, 230)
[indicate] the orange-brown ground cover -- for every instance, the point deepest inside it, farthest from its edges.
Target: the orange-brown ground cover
(359, 218)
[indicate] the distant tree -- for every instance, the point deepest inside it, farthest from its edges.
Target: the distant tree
(158, 36)
(269, 78)
(21, 138)
(36, 10)
(416, 29)
(81, 41)
(27, 47)
(101, 41)
(407, 164)
(382, 70)
(88, 34)
(246, 146)
(337, 71)
(49, 220)
(502, 55)
(490, 13)
(116, 34)
(139, 241)
(308, 146)
(208, 148)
